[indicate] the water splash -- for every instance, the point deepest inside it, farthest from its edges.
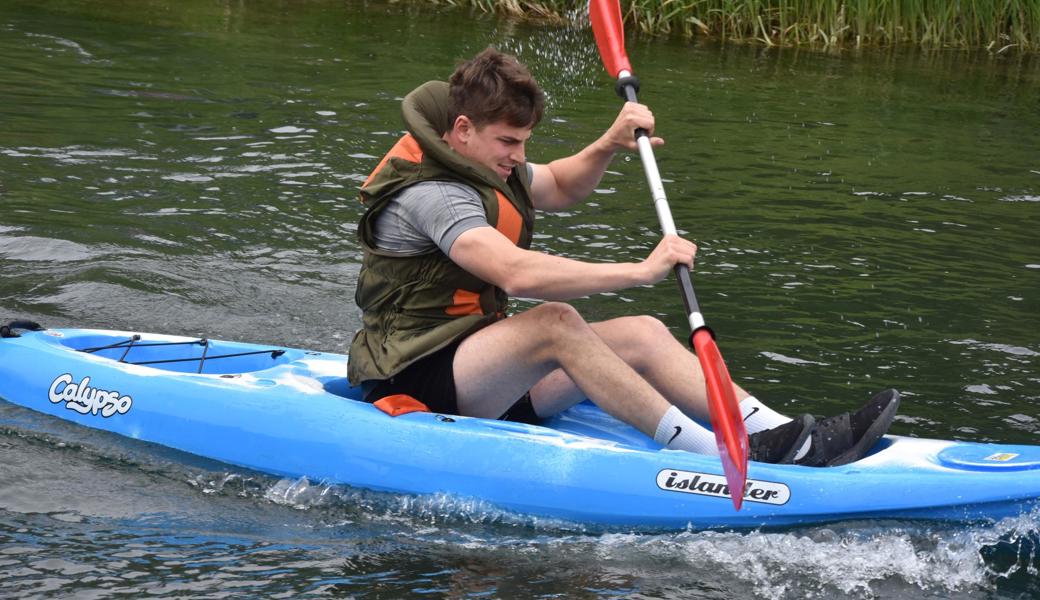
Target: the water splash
(859, 559)
(425, 510)
(862, 560)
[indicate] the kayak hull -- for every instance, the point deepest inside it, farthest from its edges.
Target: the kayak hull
(290, 412)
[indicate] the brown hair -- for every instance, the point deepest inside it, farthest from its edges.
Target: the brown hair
(492, 87)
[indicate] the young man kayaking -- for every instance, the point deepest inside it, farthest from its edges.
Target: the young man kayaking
(447, 233)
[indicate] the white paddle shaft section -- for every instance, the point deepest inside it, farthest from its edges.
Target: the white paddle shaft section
(696, 321)
(664, 212)
(653, 178)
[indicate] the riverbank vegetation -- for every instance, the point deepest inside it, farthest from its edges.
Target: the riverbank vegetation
(996, 25)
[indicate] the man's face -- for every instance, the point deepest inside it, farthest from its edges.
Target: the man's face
(498, 146)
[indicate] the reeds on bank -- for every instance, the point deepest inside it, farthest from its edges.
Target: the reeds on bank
(998, 25)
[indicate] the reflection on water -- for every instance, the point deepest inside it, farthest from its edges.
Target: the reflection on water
(865, 220)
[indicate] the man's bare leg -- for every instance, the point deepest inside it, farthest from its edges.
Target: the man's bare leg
(646, 345)
(635, 370)
(498, 364)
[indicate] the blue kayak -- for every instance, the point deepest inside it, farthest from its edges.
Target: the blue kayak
(290, 412)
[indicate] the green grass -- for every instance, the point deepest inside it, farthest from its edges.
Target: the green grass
(997, 25)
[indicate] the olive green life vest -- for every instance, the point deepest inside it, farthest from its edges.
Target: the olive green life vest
(413, 306)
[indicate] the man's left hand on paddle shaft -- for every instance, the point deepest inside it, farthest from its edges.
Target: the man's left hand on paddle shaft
(620, 135)
(565, 181)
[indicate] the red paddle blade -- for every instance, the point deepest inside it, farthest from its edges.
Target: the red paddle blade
(726, 422)
(610, 35)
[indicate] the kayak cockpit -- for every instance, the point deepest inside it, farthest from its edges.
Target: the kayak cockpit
(181, 355)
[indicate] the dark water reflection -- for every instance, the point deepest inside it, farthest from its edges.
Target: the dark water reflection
(864, 221)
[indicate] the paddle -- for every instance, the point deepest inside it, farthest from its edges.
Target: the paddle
(726, 422)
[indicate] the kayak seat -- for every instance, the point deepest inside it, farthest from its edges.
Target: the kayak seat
(340, 386)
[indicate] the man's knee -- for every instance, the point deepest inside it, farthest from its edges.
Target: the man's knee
(558, 319)
(646, 329)
(559, 313)
(646, 338)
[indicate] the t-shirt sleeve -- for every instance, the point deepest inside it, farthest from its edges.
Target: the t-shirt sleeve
(441, 211)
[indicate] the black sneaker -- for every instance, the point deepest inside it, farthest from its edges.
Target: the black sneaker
(779, 444)
(848, 437)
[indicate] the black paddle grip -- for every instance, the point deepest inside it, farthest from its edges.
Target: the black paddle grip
(628, 88)
(682, 276)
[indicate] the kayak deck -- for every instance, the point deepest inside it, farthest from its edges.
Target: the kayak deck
(181, 356)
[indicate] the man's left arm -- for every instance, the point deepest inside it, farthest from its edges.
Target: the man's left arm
(561, 183)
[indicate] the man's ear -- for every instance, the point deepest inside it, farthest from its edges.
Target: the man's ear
(463, 128)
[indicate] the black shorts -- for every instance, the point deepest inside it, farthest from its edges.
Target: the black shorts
(431, 380)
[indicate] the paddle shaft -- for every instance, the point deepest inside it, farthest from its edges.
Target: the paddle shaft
(627, 90)
(725, 415)
(730, 434)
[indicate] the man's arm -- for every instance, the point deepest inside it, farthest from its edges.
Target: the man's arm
(559, 184)
(489, 255)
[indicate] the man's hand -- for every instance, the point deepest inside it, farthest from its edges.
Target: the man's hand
(621, 135)
(564, 181)
(670, 251)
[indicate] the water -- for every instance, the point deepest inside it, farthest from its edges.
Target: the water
(864, 220)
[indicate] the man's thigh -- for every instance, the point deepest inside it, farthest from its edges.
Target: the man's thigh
(500, 363)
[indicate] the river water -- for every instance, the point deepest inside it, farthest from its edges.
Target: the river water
(865, 220)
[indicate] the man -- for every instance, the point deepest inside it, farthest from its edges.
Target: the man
(447, 231)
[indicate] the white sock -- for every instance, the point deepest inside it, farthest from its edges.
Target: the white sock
(676, 431)
(759, 417)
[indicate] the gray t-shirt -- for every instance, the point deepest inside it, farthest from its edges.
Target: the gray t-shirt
(426, 215)
(430, 214)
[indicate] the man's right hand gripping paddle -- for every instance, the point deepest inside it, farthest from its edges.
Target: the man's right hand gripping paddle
(726, 422)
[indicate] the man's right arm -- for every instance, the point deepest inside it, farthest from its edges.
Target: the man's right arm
(489, 255)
